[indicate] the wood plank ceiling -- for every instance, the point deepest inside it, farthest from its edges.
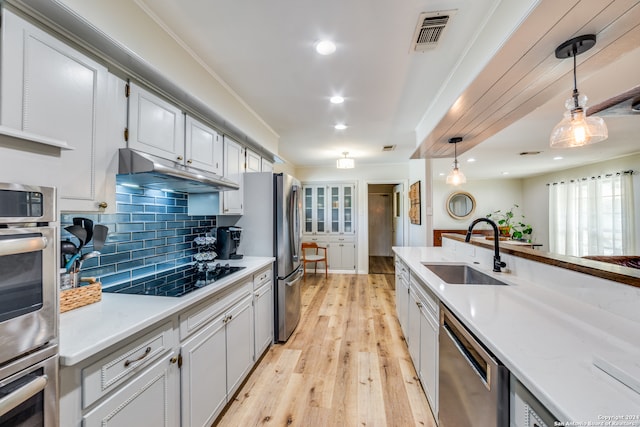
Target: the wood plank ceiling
(525, 74)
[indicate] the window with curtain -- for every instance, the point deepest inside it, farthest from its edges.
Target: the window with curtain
(592, 216)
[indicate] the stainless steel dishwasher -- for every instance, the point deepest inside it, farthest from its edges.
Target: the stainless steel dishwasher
(473, 385)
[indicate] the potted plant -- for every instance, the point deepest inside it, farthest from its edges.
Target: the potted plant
(508, 225)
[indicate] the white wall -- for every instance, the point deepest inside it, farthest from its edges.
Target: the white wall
(421, 234)
(490, 195)
(127, 23)
(362, 175)
(536, 192)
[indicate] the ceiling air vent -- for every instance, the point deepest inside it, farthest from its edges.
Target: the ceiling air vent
(431, 26)
(388, 148)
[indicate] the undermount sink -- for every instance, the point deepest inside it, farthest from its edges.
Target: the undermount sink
(461, 274)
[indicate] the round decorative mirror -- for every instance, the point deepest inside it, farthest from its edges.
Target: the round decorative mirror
(460, 205)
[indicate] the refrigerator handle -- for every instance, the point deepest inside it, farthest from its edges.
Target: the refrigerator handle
(294, 223)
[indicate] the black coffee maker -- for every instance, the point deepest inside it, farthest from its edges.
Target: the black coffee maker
(227, 242)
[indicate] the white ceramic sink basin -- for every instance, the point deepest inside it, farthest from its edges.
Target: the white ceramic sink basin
(461, 274)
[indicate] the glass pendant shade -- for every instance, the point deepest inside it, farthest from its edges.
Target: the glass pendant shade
(456, 177)
(576, 129)
(345, 162)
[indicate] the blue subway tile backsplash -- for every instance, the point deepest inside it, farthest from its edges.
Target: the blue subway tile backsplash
(150, 238)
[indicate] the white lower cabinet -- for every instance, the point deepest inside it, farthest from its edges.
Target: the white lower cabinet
(263, 310)
(149, 400)
(428, 364)
(402, 295)
(418, 313)
(203, 376)
(181, 372)
(341, 252)
(217, 358)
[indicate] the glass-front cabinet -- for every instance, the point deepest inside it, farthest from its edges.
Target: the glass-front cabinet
(329, 209)
(329, 221)
(315, 210)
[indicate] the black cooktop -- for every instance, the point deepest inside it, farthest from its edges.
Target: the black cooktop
(175, 283)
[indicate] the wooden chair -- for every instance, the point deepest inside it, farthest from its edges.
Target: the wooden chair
(314, 257)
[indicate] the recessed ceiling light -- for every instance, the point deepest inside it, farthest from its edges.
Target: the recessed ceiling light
(325, 47)
(340, 126)
(441, 174)
(471, 160)
(336, 99)
(505, 173)
(558, 158)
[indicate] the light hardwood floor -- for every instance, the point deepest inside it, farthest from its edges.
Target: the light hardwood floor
(346, 364)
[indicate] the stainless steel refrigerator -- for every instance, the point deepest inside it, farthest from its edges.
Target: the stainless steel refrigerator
(271, 226)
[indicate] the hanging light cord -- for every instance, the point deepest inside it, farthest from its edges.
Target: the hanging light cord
(575, 79)
(455, 156)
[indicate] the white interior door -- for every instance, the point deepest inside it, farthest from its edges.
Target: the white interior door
(398, 214)
(380, 225)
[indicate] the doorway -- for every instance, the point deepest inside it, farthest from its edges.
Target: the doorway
(385, 225)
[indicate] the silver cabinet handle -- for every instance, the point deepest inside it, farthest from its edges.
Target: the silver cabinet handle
(21, 246)
(23, 394)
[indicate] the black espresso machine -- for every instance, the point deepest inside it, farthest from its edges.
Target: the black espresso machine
(227, 242)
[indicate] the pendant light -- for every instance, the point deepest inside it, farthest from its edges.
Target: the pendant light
(346, 162)
(576, 129)
(455, 177)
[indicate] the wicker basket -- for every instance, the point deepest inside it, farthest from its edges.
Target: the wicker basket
(78, 297)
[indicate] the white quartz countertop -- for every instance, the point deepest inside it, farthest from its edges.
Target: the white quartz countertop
(88, 330)
(548, 339)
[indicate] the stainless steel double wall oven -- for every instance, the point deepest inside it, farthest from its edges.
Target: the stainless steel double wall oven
(28, 306)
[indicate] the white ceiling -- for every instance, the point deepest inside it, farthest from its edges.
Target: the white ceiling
(264, 52)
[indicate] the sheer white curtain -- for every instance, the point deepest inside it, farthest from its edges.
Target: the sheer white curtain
(592, 216)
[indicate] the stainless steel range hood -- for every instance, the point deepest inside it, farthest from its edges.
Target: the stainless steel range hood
(150, 171)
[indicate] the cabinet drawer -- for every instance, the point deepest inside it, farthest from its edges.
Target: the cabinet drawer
(262, 277)
(112, 370)
(341, 238)
(426, 296)
(151, 399)
(194, 319)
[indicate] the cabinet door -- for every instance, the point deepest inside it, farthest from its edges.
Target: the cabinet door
(348, 213)
(428, 371)
(413, 329)
(149, 400)
(263, 314)
(239, 343)
(203, 376)
(266, 166)
(203, 147)
(253, 162)
(233, 161)
(402, 303)
(334, 209)
(52, 90)
(315, 209)
(155, 126)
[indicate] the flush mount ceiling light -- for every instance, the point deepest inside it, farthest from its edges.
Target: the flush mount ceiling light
(455, 177)
(340, 126)
(325, 47)
(345, 162)
(576, 129)
(336, 99)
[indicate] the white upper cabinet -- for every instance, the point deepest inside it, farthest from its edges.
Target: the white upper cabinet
(253, 162)
(231, 203)
(52, 90)
(204, 147)
(267, 166)
(155, 126)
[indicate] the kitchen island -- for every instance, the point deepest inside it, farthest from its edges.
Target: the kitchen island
(548, 326)
(166, 361)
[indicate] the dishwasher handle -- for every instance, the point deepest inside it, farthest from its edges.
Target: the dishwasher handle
(473, 352)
